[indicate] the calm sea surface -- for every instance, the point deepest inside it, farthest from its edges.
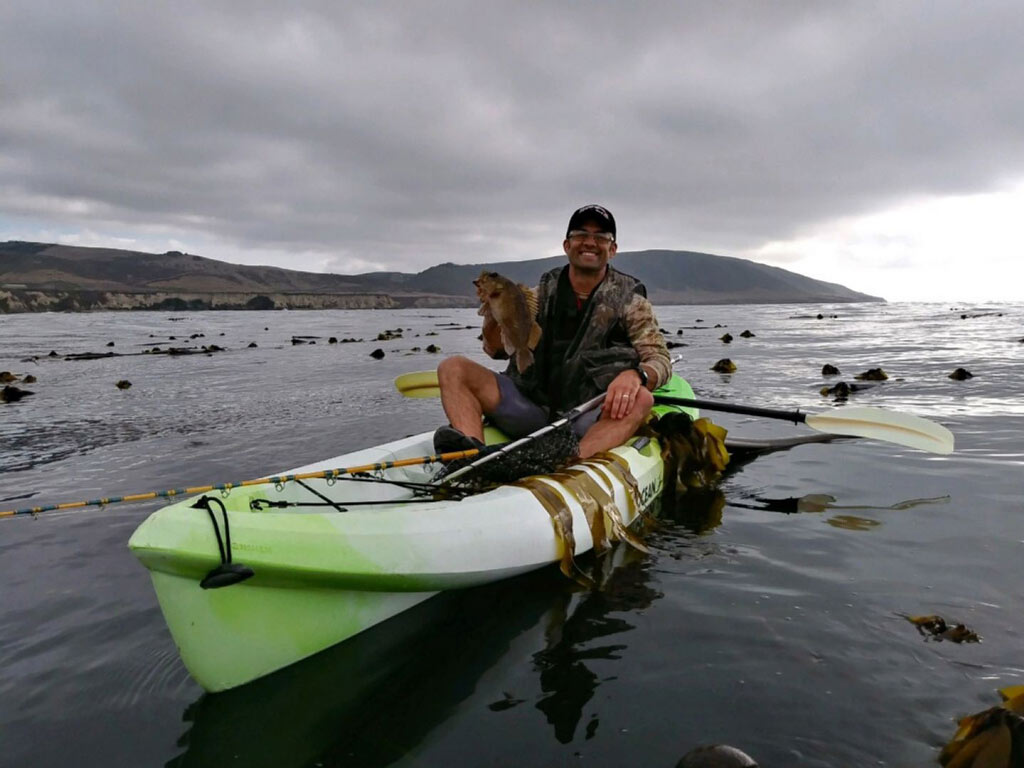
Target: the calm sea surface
(757, 621)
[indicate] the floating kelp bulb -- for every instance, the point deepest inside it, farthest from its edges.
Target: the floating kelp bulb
(961, 374)
(829, 370)
(872, 374)
(716, 756)
(840, 391)
(939, 629)
(959, 634)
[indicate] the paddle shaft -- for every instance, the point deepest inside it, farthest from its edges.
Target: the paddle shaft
(747, 410)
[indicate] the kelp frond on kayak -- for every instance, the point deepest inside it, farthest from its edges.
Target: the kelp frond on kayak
(694, 452)
(561, 517)
(616, 466)
(599, 508)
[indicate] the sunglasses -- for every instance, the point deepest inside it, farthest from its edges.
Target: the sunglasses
(582, 234)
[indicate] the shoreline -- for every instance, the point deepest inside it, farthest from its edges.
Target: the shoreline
(38, 300)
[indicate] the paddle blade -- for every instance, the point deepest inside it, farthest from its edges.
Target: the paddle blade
(418, 384)
(890, 426)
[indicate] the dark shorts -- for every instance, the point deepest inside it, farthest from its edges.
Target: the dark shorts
(518, 416)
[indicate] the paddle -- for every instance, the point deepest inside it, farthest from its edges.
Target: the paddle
(575, 413)
(418, 384)
(874, 423)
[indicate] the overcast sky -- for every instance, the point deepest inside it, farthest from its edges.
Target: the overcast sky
(875, 144)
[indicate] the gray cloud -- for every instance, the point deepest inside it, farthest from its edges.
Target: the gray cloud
(405, 134)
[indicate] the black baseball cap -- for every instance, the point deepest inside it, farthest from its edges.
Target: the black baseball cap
(595, 214)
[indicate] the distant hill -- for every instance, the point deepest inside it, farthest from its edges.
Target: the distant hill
(672, 277)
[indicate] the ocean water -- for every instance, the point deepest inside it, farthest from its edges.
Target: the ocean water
(758, 620)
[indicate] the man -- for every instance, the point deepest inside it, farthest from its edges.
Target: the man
(599, 334)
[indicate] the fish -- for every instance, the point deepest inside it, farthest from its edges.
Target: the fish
(513, 307)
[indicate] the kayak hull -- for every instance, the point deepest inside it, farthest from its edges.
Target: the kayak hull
(229, 636)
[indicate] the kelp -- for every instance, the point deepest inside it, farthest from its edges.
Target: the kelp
(590, 496)
(992, 738)
(618, 467)
(606, 514)
(693, 452)
(599, 508)
(561, 517)
(934, 627)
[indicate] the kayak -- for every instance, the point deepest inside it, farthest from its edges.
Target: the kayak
(256, 578)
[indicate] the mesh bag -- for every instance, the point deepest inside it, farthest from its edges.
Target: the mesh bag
(541, 456)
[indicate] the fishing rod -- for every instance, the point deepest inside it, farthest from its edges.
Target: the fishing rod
(328, 474)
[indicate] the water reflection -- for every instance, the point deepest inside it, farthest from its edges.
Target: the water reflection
(822, 502)
(378, 697)
(697, 512)
(372, 699)
(567, 682)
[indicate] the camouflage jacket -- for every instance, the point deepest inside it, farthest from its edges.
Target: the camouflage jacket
(617, 331)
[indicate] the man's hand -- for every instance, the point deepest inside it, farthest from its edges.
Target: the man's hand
(622, 393)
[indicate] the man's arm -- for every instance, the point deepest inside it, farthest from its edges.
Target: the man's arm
(645, 336)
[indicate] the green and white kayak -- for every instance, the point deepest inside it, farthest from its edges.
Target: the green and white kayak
(321, 574)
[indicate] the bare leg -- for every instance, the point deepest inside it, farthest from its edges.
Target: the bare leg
(608, 433)
(468, 389)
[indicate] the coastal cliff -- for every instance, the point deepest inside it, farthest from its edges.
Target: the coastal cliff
(25, 300)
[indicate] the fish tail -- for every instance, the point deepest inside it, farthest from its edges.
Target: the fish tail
(535, 332)
(524, 359)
